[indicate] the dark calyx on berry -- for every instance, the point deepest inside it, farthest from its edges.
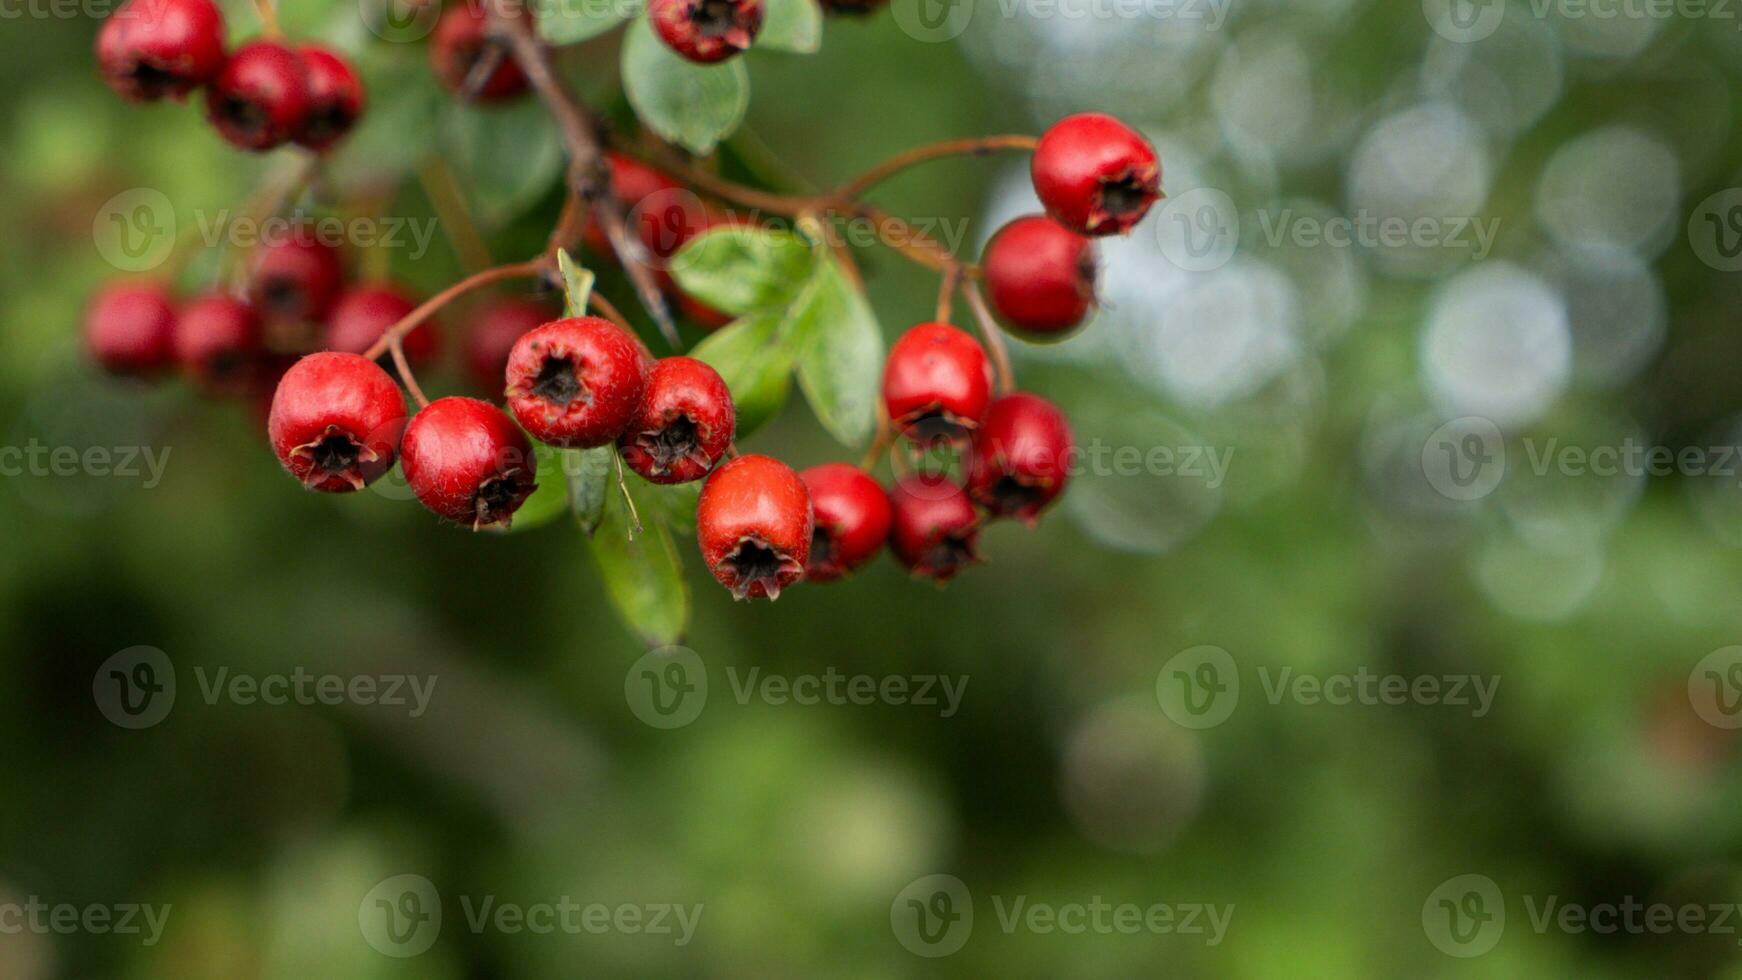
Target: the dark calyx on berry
(1124, 195)
(754, 562)
(715, 18)
(500, 496)
(336, 454)
(679, 439)
(950, 552)
(559, 383)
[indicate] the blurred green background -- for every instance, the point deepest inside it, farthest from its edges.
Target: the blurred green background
(1598, 318)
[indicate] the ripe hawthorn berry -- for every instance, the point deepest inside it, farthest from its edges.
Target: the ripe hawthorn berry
(493, 334)
(934, 527)
(1021, 456)
(753, 523)
(576, 382)
(295, 277)
(363, 313)
(1040, 275)
(335, 421)
(684, 425)
(468, 462)
(852, 517)
(1096, 175)
(218, 342)
(458, 43)
(706, 31)
(149, 49)
(335, 98)
(260, 98)
(130, 328)
(936, 383)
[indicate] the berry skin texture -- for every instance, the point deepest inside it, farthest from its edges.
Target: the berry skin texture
(706, 31)
(130, 328)
(468, 462)
(684, 425)
(335, 421)
(150, 49)
(577, 382)
(363, 313)
(335, 98)
(753, 523)
(457, 44)
(935, 527)
(493, 335)
(1021, 457)
(295, 277)
(1040, 276)
(1096, 175)
(218, 342)
(852, 517)
(936, 383)
(260, 98)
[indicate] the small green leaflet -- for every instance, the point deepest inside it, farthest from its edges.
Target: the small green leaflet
(507, 157)
(589, 483)
(693, 105)
(791, 25)
(570, 21)
(643, 577)
(754, 356)
(577, 284)
(741, 269)
(839, 349)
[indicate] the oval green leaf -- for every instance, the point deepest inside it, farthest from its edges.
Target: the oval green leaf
(693, 105)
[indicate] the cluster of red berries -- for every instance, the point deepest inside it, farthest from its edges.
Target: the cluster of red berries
(259, 96)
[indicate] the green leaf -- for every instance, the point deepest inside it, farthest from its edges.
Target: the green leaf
(643, 577)
(507, 157)
(791, 25)
(754, 356)
(839, 350)
(676, 505)
(569, 21)
(589, 480)
(395, 134)
(548, 502)
(577, 284)
(694, 105)
(741, 268)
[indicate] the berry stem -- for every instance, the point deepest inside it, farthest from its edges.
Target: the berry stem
(269, 18)
(880, 444)
(628, 501)
(458, 224)
(979, 146)
(947, 293)
(992, 335)
(397, 349)
(612, 313)
(390, 337)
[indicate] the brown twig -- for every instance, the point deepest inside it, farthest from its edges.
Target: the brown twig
(856, 188)
(611, 312)
(396, 347)
(947, 293)
(994, 337)
(269, 18)
(519, 270)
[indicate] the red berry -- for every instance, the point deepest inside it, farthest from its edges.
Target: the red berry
(218, 341)
(631, 183)
(261, 96)
(152, 48)
(936, 383)
(335, 421)
(457, 45)
(296, 277)
(1095, 174)
(1040, 275)
(363, 313)
(852, 516)
(493, 334)
(335, 98)
(576, 382)
(753, 523)
(706, 31)
(934, 528)
(1021, 457)
(468, 462)
(130, 328)
(684, 424)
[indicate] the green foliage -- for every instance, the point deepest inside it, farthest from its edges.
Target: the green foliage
(690, 104)
(570, 21)
(754, 355)
(507, 157)
(642, 573)
(791, 25)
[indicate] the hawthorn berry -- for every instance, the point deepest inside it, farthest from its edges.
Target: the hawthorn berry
(149, 49)
(852, 517)
(706, 31)
(493, 334)
(576, 382)
(753, 523)
(633, 182)
(684, 425)
(468, 462)
(1096, 175)
(218, 342)
(460, 41)
(260, 98)
(295, 277)
(363, 313)
(933, 528)
(1020, 458)
(130, 328)
(936, 383)
(1040, 275)
(335, 98)
(335, 421)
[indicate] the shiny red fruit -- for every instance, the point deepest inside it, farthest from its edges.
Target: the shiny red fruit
(335, 98)
(633, 182)
(935, 528)
(260, 97)
(753, 523)
(363, 313)
(852, 516)
(130, 328)
(684, 425)
(149, 49)
(706, 31)
(1040, 275)
(493, 334)
(218, 341)
(576, 382)
(1021, 457)
(335, 421)
(936, 383)
(458, 43)
(295, 277)
(1096, 175)
(468, 462)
